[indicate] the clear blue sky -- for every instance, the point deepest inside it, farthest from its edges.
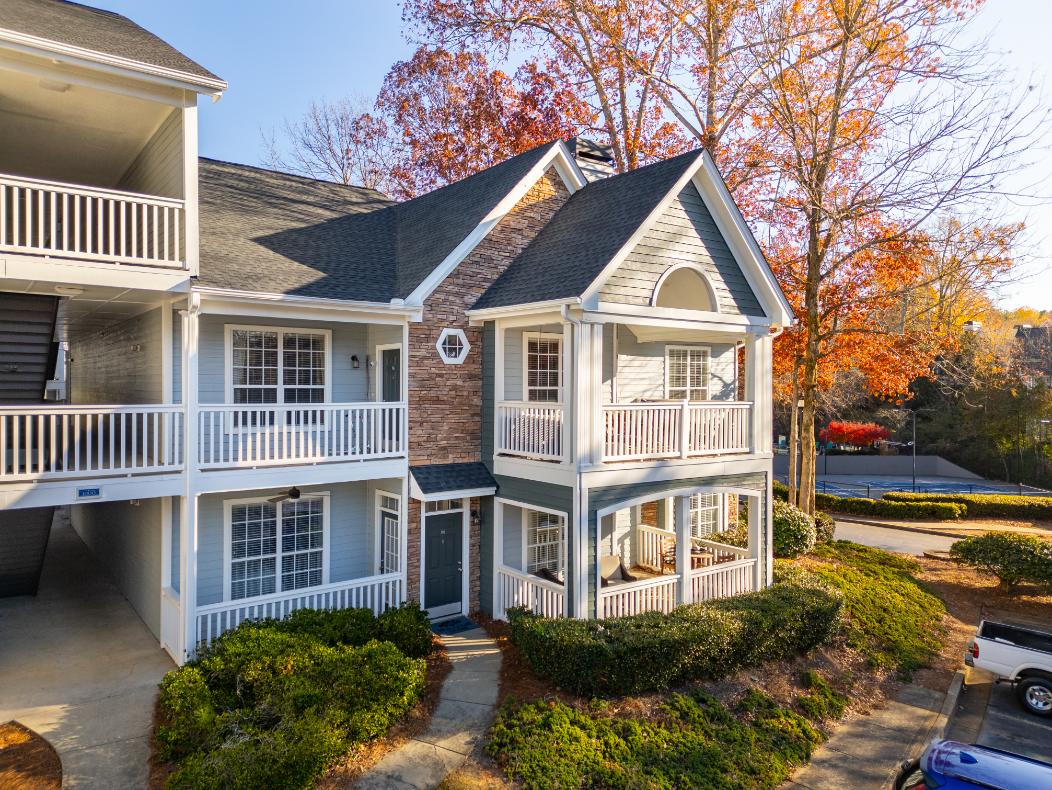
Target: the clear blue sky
(278, 55)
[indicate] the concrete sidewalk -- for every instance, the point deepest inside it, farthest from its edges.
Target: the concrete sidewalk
(866, 753)
(465, 709)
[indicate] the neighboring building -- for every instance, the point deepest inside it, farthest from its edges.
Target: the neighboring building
(519, 389)
(1034, 352)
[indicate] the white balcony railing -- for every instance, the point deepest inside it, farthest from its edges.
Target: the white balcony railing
(723, 580)
(653, 544)
(534, 430)
(45, 442)
(540, 596)
(240, 436)
(637, 431)
(649, 595)
(374, 592)
(65, 220)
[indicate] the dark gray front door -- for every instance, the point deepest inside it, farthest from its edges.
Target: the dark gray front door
(443, 563)
(391, 372)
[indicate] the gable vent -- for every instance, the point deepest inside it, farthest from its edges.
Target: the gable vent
(596, 161)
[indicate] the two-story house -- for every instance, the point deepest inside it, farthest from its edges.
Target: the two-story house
(545, 385)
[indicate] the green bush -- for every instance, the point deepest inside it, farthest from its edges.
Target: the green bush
(406, 627)
(822, 701)
(1011, 557)
(697, 742)
(794, 530)
(825, 527)
(650, 651)
(892, 618)
(1027, 508)
(270, 704)
(885, 508)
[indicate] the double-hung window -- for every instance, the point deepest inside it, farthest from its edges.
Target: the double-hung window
(388, 532)
(705, 514)
(687, 373)
(277, 366)
(542, 363)
(276, 547)
(545, 542)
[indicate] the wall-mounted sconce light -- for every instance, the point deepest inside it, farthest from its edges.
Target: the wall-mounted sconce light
(355, 363)
(369, 362)
(476, 519)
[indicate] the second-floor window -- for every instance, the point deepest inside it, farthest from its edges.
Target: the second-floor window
(278, 365)
(686, 373)
(543, 365)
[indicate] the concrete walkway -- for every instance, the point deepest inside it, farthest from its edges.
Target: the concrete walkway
(465, 710)
(867, 752)
(78, 666)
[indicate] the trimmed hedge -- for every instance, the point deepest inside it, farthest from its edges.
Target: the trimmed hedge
(272, 703)
(884, 508)
(794, 531)
(1037, 508)
(1011, 557)
(652, 651)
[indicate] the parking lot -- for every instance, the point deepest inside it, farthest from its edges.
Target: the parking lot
(988, 714)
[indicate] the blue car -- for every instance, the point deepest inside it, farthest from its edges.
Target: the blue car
(950, 765)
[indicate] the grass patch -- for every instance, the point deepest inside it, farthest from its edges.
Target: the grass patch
(821, 702)
(892, 618)
(694, 742)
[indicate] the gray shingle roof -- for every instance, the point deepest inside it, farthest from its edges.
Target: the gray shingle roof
(585, 234)
(447, 478)
(278, 233)
(93, 29)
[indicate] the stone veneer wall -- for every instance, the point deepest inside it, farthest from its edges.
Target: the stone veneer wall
(445, 401)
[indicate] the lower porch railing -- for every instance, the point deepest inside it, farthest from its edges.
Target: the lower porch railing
(724, 580)
(515, 588)
(650, 595)
(374, 592)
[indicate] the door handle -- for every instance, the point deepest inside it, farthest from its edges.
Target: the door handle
(460, 567)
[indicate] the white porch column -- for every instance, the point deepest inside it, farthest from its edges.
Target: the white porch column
(755, 534)
(191, 233)
(758, 373)
(497, 603)
(188, 517)
(566, 391)
(682, 506)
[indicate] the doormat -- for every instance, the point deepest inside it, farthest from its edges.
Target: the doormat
(455, 625)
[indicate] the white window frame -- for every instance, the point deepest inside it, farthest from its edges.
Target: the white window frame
(378, 553)
(465, 345)
(707, 350)
(550, 336)
(526, 511)
(228, 373)
(228, 508)
(695, 513)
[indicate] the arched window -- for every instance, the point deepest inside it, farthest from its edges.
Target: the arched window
(685, 288)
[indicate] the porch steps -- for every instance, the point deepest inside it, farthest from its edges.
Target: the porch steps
(23, 542)
(27, 353)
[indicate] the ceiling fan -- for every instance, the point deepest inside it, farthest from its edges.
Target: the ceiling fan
(292, 493)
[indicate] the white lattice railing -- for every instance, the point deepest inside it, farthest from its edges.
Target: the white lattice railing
(651, 544)
(375, 592)
(723, 580)
(634, 431)
(534, 430)
(66, 220)
(44, 442)
(247, 436)
(540, 596)
(650, 595)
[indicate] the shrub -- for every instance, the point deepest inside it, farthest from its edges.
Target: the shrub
(822, 701)
(406, 627)
(884, 508)
(825, 527)
(892, 618)
(697, 742)
(1028, 508)
(794, 531)
(270, 704)
(650, 651)
(1011, 557)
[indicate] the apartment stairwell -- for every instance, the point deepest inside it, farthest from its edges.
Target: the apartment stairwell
(27, 361)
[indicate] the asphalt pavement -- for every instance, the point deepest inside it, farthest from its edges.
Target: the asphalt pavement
(903, 541)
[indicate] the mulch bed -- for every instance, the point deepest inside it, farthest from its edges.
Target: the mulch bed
(27, 760)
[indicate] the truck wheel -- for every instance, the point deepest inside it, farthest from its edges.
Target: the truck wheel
(1035, 694)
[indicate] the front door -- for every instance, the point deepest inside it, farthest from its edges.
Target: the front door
(391, 375)
(443, 564)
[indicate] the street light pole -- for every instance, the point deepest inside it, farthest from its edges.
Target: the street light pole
(914, 413)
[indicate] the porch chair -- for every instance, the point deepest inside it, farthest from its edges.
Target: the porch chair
(612, 569)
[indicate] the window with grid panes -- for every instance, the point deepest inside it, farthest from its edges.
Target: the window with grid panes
(389, 533)
(545, 542)
(687, 373)
(253, 549)
(302, 536)
(704, 514)
(543, 367)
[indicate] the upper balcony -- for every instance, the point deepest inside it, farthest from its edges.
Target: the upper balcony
(97, 180)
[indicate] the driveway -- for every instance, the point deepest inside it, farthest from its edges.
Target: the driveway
(78, 666)
(899, 540)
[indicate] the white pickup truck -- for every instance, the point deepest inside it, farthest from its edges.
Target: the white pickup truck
(1017, 655)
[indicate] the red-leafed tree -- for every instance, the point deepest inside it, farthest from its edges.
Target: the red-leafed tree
(855, 434)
